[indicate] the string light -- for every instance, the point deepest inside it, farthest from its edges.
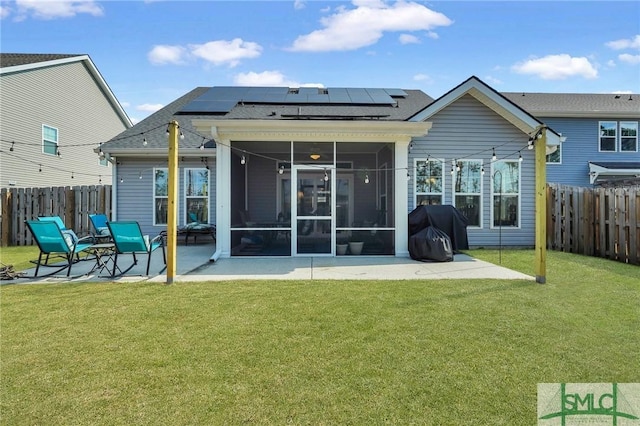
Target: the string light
(494, 157)
(12, 144)
(58, 152)
(520, 156)
(167, 131)
(366, 178)
(243, 160)
(482, 170)
(140, 176)
(99, 178)
(144, 142)
(71, 175)
(101, 153)
(281, 170)
(181, 135)
(202, 145)
(40, 170)
(326, 176)
(408, 175)
(121, 180)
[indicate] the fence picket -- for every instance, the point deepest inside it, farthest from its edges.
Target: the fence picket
(72, 204)
(596, 221)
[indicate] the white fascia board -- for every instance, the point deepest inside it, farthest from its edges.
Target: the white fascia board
(595, 171)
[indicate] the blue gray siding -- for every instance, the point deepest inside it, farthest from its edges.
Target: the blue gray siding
(135, 195)
(467, 129)
(580, 147)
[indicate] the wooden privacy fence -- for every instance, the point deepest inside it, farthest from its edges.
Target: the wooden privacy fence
(599, 222)
(72, 204)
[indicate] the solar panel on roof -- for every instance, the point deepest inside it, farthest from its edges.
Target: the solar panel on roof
(222, 99)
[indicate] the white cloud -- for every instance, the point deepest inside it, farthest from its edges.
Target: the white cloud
(611, 63)
(492, 80)
(265, 78)
(40, 9)
(221, 52)
(408, 39)
(4, 12)
(422, 77)
(625, 43)
(351, 29)
(218, 52)
(630, 59)
(165, 54)
(149, 107)
(557, 67)
(298, 4)
(433, 35)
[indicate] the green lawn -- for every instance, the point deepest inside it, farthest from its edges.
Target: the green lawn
(316, 352)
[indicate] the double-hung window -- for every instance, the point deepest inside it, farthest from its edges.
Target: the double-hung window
(49, 140)
(160, 196)
(196, 193)
(505, 189)
(608, 135)
(629, 136)
(467, 190)
(619, 136)
(429, 182)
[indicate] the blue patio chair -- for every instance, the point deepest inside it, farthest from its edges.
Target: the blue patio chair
(99, 224)
(127, 238)
(51, 240)
(67, 233)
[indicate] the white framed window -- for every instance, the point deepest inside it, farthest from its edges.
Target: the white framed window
(467, 190)
(608, 136)
(556, 156)
(196, 194)
(49, 140)
(505, 192)
(160, 195)
(628, 136)
(429, 181)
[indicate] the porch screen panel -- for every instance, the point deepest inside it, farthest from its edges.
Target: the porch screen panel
(260, 195)
(365, 196)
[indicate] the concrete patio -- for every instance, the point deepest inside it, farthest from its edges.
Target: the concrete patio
(194, 264)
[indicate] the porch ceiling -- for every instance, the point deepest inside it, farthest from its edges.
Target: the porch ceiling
(311, 130)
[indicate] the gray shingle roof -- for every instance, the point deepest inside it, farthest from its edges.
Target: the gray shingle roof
(15, 59)
(153, 128)
(575, 104)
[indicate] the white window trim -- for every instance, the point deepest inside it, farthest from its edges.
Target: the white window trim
(415, 180)
(620, 124)
(57, 142)
(480, 194)
(186, 197)
(600, 136)
(493, 194)
(157, 197)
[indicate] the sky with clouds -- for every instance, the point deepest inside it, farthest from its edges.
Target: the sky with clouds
(151, 52)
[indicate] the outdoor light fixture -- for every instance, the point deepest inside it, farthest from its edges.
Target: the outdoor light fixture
(314, 156)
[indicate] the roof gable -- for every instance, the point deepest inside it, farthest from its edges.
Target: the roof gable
(24, 62)
(491, 99)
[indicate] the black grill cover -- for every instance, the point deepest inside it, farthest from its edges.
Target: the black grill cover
(446, 218)
(430, 244)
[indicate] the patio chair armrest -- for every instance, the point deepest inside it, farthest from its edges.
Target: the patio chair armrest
(160, 237)
(87, 239)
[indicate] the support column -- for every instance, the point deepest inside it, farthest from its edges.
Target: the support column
(401, 198)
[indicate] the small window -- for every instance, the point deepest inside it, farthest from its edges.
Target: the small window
(160, 196)
(429, 182)
(608, 135)
(467, 190)
(49, 140)
(629, 136)
(556, 156)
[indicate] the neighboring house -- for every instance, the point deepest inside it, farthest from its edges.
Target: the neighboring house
(294, 172)
(54, 112)
(602, 136)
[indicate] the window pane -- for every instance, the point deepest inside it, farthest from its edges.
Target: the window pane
(197, 182)
(50, 133)
(608, 133)
(429, 176)
(160, 211)
(424, 200)
(197, 210)
(505, 210)
(468, 178)
(49, 148)
(506, 177)
(554, 157)
(629, 136)
(161, 183)
(628, 144)
(469, 205)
